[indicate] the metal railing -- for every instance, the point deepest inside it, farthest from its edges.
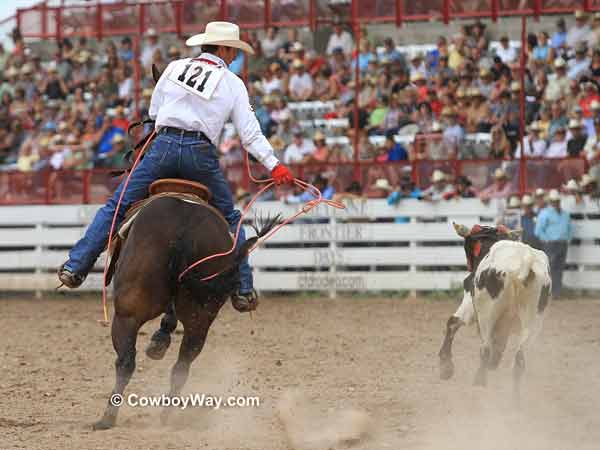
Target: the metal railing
(94, 186)
(187, 16)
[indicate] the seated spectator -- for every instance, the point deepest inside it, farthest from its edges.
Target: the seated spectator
(439, 188)
(126, 51)
(534, 145)
(321, 152)
(478, 114)
(577, 138)
(580, 64)
(463, 188)
(340, 39)
(380, 189)
(580, 32)
(499, 189)
(541, 51)
(417, 66)
(558, 145)
(377, 117)
(299, 150)
(453, 133)
(407, 189)
(271, 43)
(390, 53)
(558, 120)
(394, 150)
(558, 83)
(301, 83)
(273, 81)
(365, 56)
(506, 52)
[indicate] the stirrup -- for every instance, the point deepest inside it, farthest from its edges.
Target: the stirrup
(245, 302)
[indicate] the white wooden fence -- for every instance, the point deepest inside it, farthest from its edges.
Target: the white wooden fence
(363, 248)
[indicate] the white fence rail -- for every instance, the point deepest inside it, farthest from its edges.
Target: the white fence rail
(368, 247)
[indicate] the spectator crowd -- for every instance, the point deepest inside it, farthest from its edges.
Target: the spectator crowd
(72, 110)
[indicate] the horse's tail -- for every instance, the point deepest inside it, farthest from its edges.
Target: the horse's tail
(262, 226)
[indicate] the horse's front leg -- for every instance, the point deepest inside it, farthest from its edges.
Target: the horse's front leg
(124, 336)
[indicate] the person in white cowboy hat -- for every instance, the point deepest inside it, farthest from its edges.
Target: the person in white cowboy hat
(558, 84)
(539, 199)
(499, 189)
(439, 189)
(589, 185)
(577, 138)
(301, 84)
(554, 229)
(534, 145)
(150, 46)
(191, 102)
(528, 220)
(510, 214)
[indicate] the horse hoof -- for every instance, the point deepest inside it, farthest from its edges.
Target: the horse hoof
(446, 370)
(103, 424)
(159, 344)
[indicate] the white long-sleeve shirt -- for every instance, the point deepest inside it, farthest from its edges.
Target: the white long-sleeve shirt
(201, 94)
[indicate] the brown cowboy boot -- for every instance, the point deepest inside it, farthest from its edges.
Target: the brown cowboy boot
(245, 302)
(70, 279)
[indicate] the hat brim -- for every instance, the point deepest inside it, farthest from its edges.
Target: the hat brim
(203, 39)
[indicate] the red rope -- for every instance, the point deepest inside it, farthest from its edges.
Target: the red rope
(269, 183)
(114, 221)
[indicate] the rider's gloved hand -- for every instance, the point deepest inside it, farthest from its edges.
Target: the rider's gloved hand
(282, 175)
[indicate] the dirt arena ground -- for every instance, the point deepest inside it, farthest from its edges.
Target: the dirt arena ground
(375, 355)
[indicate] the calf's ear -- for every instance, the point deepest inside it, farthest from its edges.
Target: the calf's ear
(461, 230)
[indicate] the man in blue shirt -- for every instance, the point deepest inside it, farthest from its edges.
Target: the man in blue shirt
(554, 229)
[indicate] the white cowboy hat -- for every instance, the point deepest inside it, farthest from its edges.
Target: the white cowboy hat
(384, 184)
(554, 196)
(220, 33)
(499, 173)
(438, 175)
(514, 202)
(571, 185)
(586, 179)
(527, 200)
(539, 192)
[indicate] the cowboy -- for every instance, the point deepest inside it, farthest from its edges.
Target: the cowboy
(191, 102)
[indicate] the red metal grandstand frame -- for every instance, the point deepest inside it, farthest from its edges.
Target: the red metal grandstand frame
(95, 185)
(171, 16)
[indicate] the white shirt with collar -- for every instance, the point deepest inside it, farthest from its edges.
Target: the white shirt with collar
(184, 104)
(533, 149)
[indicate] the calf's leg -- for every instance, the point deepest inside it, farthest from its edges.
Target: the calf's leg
(161, 339)
(463, 316)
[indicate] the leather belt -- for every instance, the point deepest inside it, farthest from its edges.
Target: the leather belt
(183, 133)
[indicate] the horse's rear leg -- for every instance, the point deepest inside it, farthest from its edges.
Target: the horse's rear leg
(194, 336)
(161, 339)
(124, 336)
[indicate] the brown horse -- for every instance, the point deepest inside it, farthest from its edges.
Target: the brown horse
(167, 236)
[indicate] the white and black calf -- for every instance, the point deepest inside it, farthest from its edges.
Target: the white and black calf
(507, 292)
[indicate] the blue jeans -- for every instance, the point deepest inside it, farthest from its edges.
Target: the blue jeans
(169, 156)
